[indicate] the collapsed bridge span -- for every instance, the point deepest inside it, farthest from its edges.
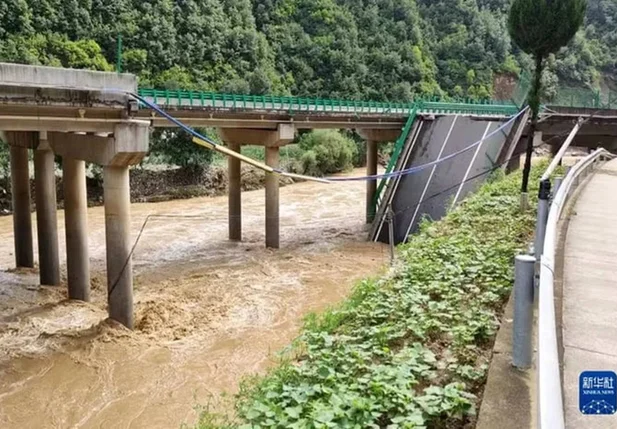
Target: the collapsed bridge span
(449, 156)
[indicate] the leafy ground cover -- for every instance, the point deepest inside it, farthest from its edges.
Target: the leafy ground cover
(410, 349)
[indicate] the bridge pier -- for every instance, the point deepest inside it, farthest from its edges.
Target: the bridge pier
(96, 126)
(235, 194)
(127, 146)
(373, 139)
(76, 228)
(20, 191)
(272, 140)
(117, 240)
(372, 150)
(46, 219)
(272, 200)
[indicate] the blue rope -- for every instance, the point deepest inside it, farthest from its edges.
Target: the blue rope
(166, 115)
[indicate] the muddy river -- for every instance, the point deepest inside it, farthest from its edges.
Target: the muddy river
(208, 312)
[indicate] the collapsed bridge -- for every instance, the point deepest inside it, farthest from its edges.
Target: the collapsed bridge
(103, 118)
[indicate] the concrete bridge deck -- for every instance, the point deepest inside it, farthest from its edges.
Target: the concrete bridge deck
(590, 292)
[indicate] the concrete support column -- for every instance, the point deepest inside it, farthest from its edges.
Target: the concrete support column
(22, 219)
(235, 195)
(46, 220)
(371, 185)
(76, 226)
(272, 200)
(117, 237)
(373, 137)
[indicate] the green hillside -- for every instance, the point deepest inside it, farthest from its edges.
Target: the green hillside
(364, 49)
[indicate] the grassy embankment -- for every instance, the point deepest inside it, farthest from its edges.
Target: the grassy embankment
(410, 349)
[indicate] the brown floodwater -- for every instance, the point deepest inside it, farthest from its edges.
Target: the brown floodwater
(208, 312)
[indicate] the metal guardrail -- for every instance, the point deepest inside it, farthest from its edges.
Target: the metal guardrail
(200, 99)
(550, 402)
(396, 153)
(585, 98)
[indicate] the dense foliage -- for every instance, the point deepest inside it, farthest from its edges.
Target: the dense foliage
(377, 49)
(359, 49)
(317, 153)
(410, 349)
(326, 152)
(541, 28)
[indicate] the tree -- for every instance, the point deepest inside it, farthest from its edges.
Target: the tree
(176, 147)
(540, 28)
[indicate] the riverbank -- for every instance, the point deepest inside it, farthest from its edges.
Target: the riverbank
(411, 348)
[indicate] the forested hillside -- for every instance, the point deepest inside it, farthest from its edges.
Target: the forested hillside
(368, 49)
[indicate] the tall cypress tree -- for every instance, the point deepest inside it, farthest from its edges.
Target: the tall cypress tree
(542, 27)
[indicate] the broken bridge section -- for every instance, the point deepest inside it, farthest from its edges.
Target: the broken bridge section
(432, 191)
(82, 116)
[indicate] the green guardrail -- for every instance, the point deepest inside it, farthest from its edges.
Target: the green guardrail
(210, 99)
(584, 98)
(591, 98)
(467, 108)
(175, 98)
(396, 153)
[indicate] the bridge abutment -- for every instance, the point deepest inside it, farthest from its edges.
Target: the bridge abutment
(46, 219)
(76, 228)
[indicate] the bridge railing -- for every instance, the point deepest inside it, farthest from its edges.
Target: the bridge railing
(201, 99)
(396, 153)
(550, 404)
(586, 98)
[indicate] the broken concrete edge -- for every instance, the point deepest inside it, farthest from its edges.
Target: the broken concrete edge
(19, 75)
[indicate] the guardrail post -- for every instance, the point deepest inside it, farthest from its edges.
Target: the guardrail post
(543, 209)
(522, 350)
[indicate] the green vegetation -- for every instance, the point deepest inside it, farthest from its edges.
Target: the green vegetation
(317, 153)
(384, 50)
(326, 152)
(380, 49)
(176, 147)
(409, 349)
